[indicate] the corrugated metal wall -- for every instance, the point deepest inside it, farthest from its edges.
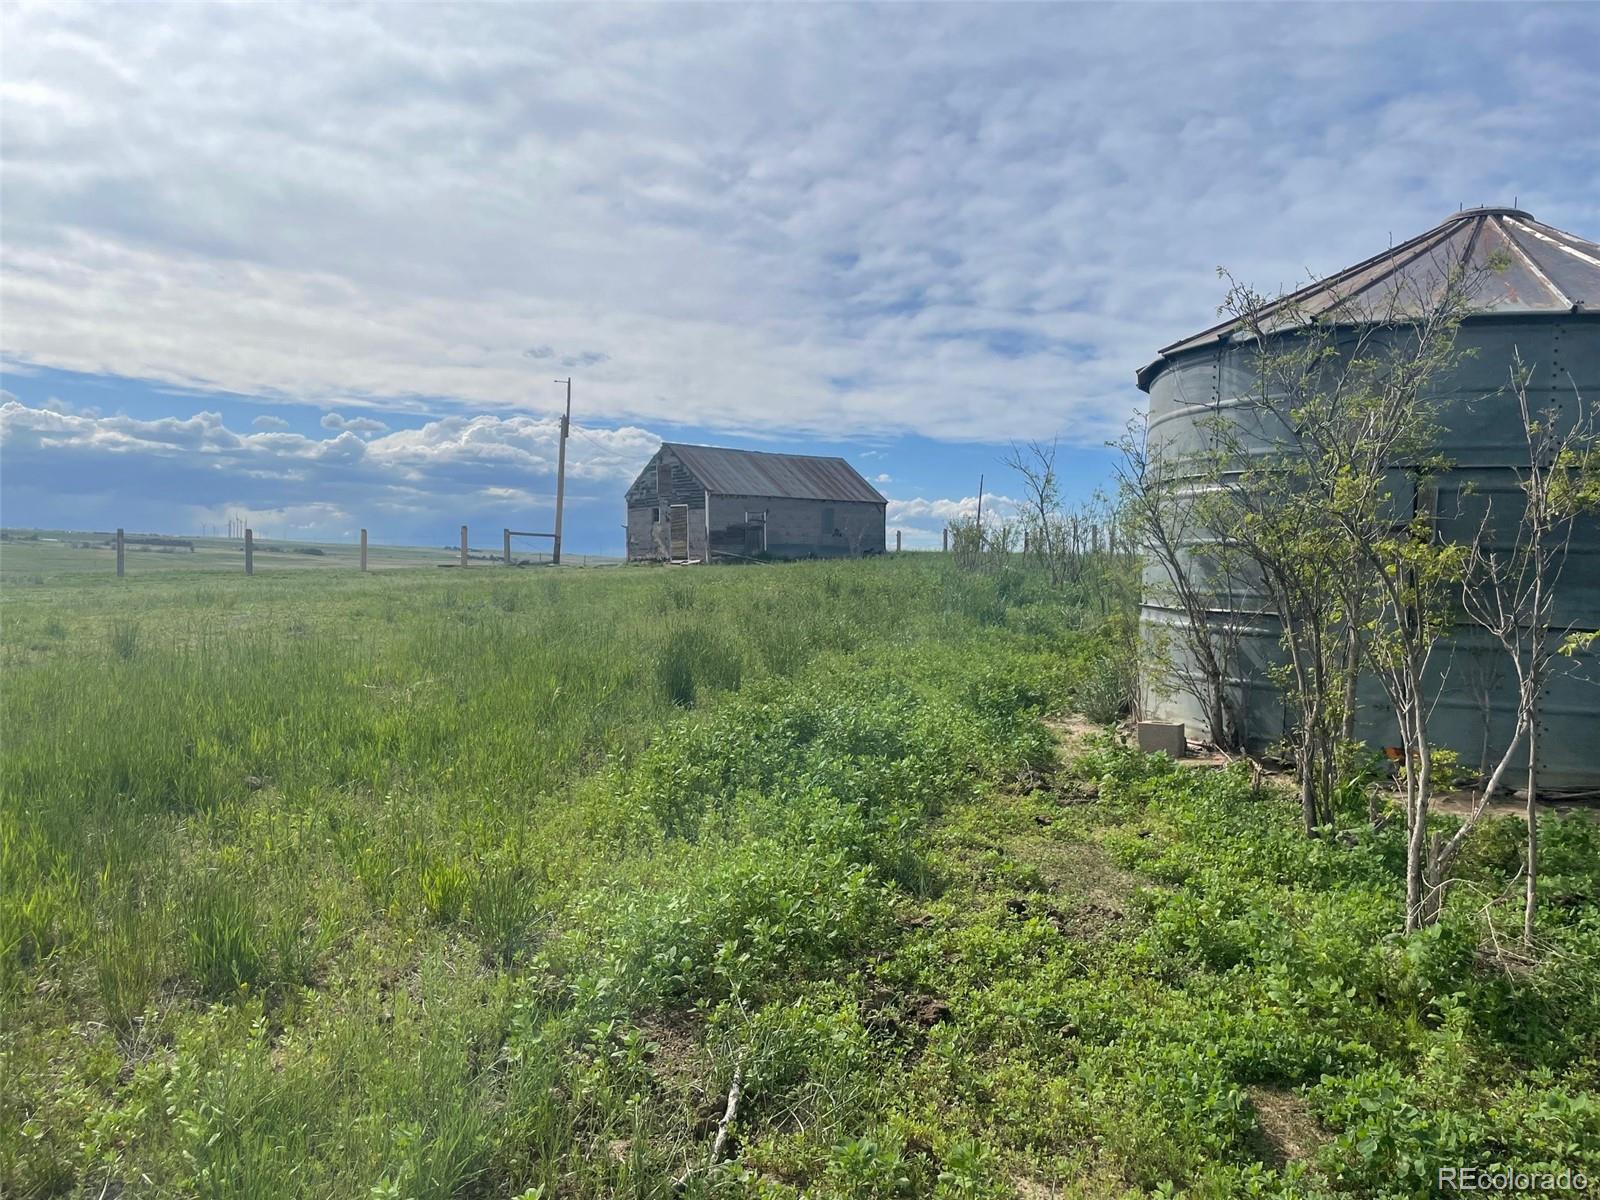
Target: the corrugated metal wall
(1483, 440)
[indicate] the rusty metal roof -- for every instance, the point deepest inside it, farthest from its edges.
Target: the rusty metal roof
(1520, 266)
(788, 476)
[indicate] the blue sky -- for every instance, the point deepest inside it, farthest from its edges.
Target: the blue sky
(321, 265)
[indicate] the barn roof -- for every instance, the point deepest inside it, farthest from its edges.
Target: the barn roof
(787, 476)
(1522, 265)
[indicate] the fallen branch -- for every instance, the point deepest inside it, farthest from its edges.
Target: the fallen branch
(719, 1143)
(728, 1114)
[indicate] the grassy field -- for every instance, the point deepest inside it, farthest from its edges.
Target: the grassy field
(38, 557)
(432, 884)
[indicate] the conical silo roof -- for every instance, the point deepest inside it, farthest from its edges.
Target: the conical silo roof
(1520, 266)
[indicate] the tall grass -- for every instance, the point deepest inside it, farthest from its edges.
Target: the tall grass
(375, 857)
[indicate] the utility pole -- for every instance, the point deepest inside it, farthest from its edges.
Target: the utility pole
(980, 513)
(561, 471)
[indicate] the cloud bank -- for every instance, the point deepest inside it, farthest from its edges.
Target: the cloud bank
(969, 222)
(197, 465)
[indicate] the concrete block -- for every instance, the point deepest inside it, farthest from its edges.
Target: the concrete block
(1161, 737)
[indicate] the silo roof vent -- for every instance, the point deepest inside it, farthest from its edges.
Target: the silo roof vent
(1523, 265)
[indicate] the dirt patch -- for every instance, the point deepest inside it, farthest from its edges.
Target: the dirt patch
(679, 1063)
(1072, 870)
(930, 1011)
(1033, 1189)
(1092, 1183)
(1097, 916)
(1460, 803)
(1198, 754)
(1074, 733)
(1289, 1133)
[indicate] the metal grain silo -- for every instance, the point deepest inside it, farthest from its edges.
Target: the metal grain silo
(1540, 298)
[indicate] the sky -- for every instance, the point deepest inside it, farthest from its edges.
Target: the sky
(322, 265)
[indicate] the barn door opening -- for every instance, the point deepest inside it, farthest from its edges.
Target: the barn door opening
(678, 533)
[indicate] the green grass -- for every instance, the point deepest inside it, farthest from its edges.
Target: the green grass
(31, 558)
(1170, 991)
(271, 847)
(425, 884)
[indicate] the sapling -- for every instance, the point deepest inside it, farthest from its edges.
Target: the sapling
(1327, 490)
(1512, 588)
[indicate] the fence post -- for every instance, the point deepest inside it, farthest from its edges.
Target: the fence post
(363, 549)
(463, 546)
(897, 541)
(506, 533)
(947, 539)
(249, 551)
(119, 554)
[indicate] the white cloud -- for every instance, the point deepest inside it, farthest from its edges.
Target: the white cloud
(281, 523)
(269, 423)
(63, 406)
(923, 521)
(921, 511)
(485, 463)
(738, 218)
(342, 424)
(882, 478)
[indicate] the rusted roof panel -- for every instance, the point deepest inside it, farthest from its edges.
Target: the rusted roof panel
(789, 476)
(1570, 263)
(1524, 265)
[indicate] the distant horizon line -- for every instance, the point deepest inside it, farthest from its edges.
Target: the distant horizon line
(259, 535)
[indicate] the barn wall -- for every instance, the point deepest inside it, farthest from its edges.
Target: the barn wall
(647, 533)
(643, 541)
(795, 527)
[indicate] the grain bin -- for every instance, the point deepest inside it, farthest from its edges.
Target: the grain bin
(1540, 297)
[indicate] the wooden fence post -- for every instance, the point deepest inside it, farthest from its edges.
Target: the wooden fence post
(249, 551)
(119, 554)
(506, 533)
(463, 545)
(947, 539)
(897, 541)
(363, 549)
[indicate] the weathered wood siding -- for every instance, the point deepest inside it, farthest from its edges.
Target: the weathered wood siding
(647, 508)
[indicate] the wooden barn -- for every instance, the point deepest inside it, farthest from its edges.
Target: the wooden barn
(702, 503)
